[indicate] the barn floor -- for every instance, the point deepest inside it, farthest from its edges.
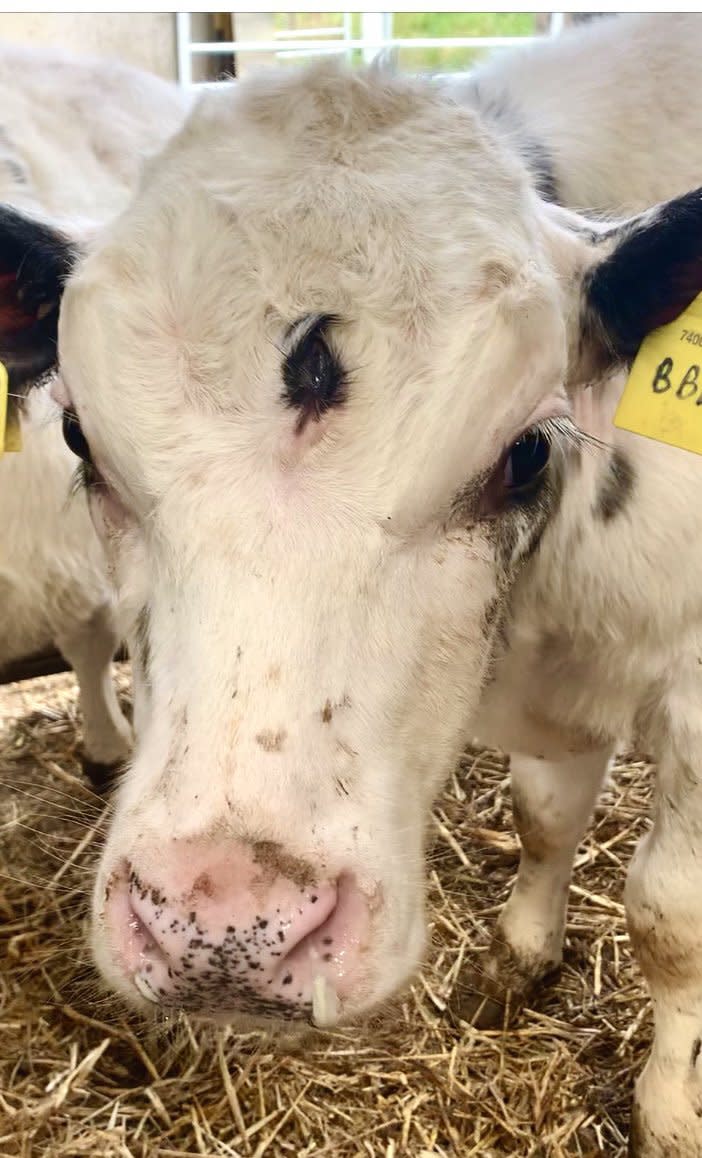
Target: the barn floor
(78, 1076)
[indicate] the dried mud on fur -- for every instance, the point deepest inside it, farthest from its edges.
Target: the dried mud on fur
(81, 1076)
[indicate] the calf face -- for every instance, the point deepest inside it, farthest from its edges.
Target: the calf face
(318, 372)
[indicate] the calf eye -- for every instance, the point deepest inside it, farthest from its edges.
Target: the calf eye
(313, 375)
(74, 437)
(525, 464)
(519, 476)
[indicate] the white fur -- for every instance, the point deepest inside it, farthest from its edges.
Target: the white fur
(618, 146)
(72, 136)
(284, 574)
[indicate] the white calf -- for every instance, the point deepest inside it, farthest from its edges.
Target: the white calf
(72, 133)
(344, 384)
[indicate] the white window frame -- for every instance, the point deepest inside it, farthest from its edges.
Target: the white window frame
(376, 36)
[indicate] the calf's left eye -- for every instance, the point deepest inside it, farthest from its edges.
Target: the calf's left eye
(526, 464)
(515, 480)
(74, 438)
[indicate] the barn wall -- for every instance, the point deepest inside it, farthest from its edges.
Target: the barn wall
(145, 39)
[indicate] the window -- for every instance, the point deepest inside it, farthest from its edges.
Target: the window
(214, 46)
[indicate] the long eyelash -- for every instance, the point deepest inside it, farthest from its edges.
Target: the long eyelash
(563, 429)
(82, 479)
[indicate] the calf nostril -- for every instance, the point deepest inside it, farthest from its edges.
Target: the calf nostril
(301, 931)
(323, 948)
(143, 943)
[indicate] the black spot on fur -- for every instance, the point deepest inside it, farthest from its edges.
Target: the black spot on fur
(17, 172)
(540, 165)
(615, 487)
(501, 111)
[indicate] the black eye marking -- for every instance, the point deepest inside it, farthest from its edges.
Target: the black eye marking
(314, 377)
(74, 438)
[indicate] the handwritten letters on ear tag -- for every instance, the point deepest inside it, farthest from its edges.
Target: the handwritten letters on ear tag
(662, 398)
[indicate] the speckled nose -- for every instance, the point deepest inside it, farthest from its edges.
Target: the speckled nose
(226, 932)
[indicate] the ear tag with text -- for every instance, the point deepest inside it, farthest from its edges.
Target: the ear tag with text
(662, 398)
(10, 429)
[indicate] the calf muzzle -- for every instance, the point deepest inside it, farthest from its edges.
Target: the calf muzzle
(227, 932)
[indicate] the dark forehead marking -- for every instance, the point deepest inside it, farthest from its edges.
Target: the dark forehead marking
(615, 487)
(313, 376)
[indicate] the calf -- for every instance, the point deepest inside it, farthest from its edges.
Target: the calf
(343, 382)
(71, 136)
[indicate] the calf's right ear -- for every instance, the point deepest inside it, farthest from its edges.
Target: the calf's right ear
(35, 262)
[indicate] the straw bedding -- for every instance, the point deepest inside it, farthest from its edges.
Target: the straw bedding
(81, 1076)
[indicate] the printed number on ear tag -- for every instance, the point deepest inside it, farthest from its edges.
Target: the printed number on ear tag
(663, 395)
(10, 429)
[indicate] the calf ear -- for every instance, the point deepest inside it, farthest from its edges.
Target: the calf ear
(645, 273)
(35, 261)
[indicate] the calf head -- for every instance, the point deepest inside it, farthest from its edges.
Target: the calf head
(320, 373)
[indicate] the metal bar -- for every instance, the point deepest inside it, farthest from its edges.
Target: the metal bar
(184, 48)
(301, 33)
(348, 33)
(329, 50)
(374, 31)
(199, 48)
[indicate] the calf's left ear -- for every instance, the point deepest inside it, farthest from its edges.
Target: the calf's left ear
(35, 262)
(646, 271)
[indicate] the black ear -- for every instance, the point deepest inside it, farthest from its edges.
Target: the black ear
(652, 271)
(35, 261)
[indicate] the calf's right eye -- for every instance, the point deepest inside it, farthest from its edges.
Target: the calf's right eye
(74, 438)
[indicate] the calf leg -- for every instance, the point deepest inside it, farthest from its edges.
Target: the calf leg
(664, 911)
(552, 802)
(89, 647)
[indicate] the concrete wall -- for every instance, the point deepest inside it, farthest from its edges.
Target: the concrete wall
(145, 39)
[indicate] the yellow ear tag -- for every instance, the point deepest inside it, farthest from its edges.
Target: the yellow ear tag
(10, 429)
(662, 398)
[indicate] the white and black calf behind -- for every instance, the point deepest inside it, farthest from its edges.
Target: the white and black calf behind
(72, 136)
(344, 383)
